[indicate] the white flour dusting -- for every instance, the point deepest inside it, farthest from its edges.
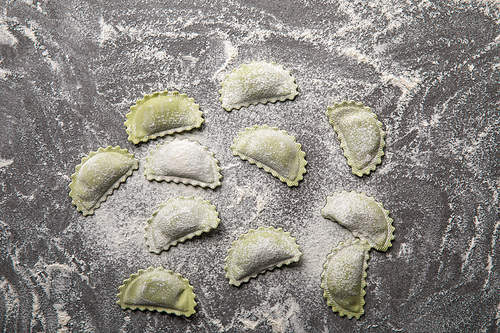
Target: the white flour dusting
(108, 33)
(5, 162)
(230, 53)
(6, 37)
(5, 73)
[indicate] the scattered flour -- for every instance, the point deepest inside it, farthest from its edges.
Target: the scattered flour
(5, 162)
(6, 37)
(108, 33)
(405, 81)
(230, 53)
(62, 318)
(126, 322)
(30, 32)
(190, 58)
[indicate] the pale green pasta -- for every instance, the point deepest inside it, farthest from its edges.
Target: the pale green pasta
(343, 278)
(365, 217)
(257, 82)
(274, 150)
(157, 289)
(179, 219)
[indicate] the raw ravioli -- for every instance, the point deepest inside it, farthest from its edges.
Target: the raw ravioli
(343, 278)
(98, 175)
(259, 250)
(160, 114)
(365, 217)
(179, 219)
(257, 82)
(360, 134)
(274, 150)
(157, 289)
(183, 161)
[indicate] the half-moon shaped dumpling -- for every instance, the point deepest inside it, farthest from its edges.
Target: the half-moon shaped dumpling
(179, 219)
(361, 215)
(183, 161)
(274, 150)
(343, 278)
(257, 82)
(157, 289)
(259, 250)
(98, 175)
(360, 134)
(160, 114)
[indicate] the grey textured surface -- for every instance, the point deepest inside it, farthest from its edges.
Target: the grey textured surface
(70, 70)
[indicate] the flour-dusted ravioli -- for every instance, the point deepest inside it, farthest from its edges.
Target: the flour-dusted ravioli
(274, 150)
(258, 251)
(257, 82)
(360, 134)
(157, 289)
(343, 278)
(365, 217)
(179, 219)
(98, 175)
(160, 114)
(183, 161)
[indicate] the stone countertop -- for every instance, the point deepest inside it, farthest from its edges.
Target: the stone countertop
(70, 70)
